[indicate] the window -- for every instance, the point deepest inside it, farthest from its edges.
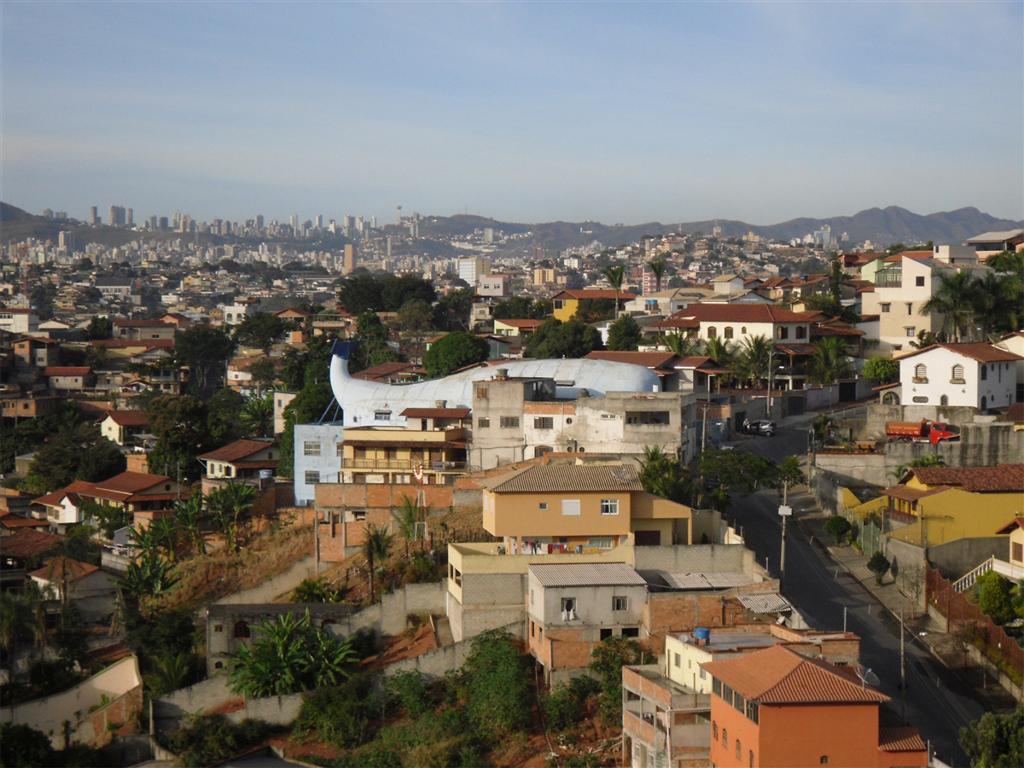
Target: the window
(647, 418)
(712, 332)
(568, 604)
(750, 758)
(543, 422)
(957, 375)
(241, 630)
(919, 281)
(1017, 551)
(714, 730)
(739, 702)
(725, 736)
(885, 307)
(677, 660)
(716, 686)
(801, 332)
(743, 330)
(218, 627)
(311, 448)
(752, 711)
(359, 515)
(509, 422)
(571, 507)
(312, 476)
(481, 393)
(984, 372)
(920, 399)
(727, 693)
(620, 603)
(920, 373)
(483, 423)
(600, 542)
(609, 506)
(382, 415)
(631, 631)
(783, 332)
(739, 749)
(542, 505)
(823, 760)
(605, 634)
(728, 331)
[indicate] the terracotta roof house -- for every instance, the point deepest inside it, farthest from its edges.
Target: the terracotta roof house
(66, 580)
(971, 374)
(144, 496)
(243, 460)
(120, 426)
(760, 699)
(566, 303)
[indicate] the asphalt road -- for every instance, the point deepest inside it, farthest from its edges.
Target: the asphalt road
(937, 701)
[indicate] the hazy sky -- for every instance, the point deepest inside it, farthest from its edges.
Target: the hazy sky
(615, 112)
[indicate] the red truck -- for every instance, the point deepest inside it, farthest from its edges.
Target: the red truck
(923, 431)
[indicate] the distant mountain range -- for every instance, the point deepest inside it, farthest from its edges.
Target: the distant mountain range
(882, 226)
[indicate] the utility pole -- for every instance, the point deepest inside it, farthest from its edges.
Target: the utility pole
(771, 364)
(844, 619)
(784, 512)
(903, 669)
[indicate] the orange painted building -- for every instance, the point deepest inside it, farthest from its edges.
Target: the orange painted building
(777, 709)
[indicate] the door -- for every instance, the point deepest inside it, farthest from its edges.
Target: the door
(648, 538)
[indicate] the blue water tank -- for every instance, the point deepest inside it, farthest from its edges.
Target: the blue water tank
(702, 634)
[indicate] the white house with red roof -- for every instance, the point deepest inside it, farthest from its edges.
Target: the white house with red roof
(736, 322)
(973, 374)
(143, 496)
(71, 581)
(120, 426)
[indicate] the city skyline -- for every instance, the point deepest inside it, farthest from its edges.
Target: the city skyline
(754, 112)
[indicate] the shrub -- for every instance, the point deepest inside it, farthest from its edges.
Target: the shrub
(838, 527)
(410, 688)
(497, 690)
(210, 739)
(342, 715)
(878, 565)
(607, 661)
(566, 704)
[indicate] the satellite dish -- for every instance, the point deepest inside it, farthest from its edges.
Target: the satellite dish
(867, 677)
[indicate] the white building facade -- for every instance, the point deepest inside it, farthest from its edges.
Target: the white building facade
(975, 375)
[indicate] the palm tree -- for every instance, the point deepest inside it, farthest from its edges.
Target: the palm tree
(165, 534)
(376, 548)
(170, 672)
(257, 415)
(997, 302)
(952, 300)
(924, 340)
(228, 504)
(829, 362)
(16, 620)
(751, 364)
(406, 516)
(189, 514)
(657, 267)
(680, 344)
(721, 351)
(615, 275)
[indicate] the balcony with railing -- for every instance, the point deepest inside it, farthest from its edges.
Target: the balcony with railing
(890, 278)
(403, 465)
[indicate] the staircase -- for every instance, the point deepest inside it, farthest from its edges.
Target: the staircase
(969, 579)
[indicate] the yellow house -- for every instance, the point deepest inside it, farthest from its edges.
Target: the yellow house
(1016, 531)
(579, 509)
(567, 303)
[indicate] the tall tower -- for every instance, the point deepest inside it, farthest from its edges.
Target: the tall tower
(399, 220)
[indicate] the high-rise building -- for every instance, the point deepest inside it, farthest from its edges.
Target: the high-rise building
(349, 262)
(164, 223)
(471, 268)
(130, 218)
(319, 221)
(259, 222)
(294, 221)
(94, 216)
(65, 241)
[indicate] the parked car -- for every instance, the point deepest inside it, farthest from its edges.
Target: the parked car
(759, 427)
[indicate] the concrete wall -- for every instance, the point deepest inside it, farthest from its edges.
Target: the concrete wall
(438, 662)
(710, 558)
(956, 558)
(277, 710)
(169, 710)
(112, 697)
(275, 587)
(327, 464)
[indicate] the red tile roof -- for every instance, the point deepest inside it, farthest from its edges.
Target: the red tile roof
(120, 323)
(14, 522)
(67, 370)
(739, 313)
(777, 675)
(59, 568)
(384, 371)
(665, 360)
(1018, 522)
(436, 413)
(54, 498)
(521, 323)
(130, 482)
(129, 418)
(976, 350)
(900, 738)
(237, 450)
(594, 293)
(128, 343)
(28, 542)
(1003, 478)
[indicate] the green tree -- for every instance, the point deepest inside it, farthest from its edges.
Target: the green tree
(22, 746)
(261, 330)
(77, 453)
(396, 290)
(205, 351)
(829, 362)
(415, 315)
(264, 374)
(952, 299)
(522, 308)
(188, 516)
(169, 673)
(498, 700)
(376, 548)
(657, 267)
(838, 527)
(615, 275)
(881, 369)
(606, 663)
(407, 515)
(99, 328)
(624, 334)
(680, 344)
(361, 293)
(995, 740)
(452, 310)
(751, 364)
(181, 430)
(222, 422)
(316, 591)
(879, 565)
(228, 504)
(287, 654)
(723, 472)
(454, 351)
(257, 416)
(788, 473)
(721, 351)
(554, 339)
(994, 595)
(664, 475)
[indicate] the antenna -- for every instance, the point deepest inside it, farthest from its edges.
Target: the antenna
(867, 677)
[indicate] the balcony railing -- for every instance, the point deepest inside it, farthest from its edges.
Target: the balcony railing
(889, 280)
(404, 465)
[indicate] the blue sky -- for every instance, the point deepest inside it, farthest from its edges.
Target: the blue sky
(527, 112)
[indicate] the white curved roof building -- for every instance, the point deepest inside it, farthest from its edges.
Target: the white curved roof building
(362, 400)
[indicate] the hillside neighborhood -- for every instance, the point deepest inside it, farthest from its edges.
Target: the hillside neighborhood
(318, 493)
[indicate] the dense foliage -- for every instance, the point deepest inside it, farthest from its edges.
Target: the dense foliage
(556, 339)
(881, 369)
(211, 739)
(607, 661)
(495, 686)
(382, 293)
(995, 740)
(205, 351)
(624, 334)
(454, 351)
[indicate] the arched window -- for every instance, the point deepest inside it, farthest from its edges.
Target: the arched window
(728, 332)
(712, 332)
(743, 330)
(714, 730)
(944, 400)
(750, 759)
(921, 371)
(957, 376)
(823, 760)
(241, 629)
(725, 736)
(739, 749)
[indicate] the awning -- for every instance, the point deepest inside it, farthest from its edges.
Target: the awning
(765, 602)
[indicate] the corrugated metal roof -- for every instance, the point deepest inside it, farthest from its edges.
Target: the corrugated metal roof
(703, 580)
(765, 602)
(555, 478)
(586, 575)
